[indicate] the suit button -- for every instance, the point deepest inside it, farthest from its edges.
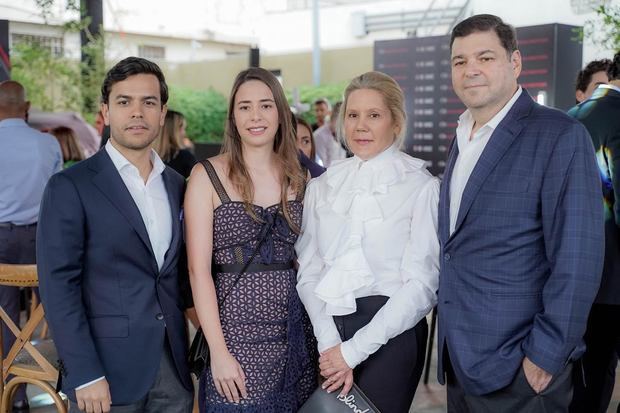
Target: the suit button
(447, 256)
(159, 316)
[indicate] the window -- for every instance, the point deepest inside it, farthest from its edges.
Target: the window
(152, 52)
(56, 45)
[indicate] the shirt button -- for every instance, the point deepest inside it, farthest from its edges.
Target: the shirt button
(159, 316)
(447, 256)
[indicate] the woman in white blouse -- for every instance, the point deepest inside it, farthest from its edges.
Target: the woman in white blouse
(368, 253)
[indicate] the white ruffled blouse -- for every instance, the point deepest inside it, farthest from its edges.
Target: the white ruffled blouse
(369, 228)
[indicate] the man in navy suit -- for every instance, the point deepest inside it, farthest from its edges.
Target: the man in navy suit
(599, 114)
(521, 232)
(108, 242)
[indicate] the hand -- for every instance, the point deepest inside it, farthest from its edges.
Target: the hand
(335, 370)
(228, 376)
(537, 378)
(94, 398)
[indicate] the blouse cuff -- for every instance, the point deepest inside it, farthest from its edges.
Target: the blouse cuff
(351, 355)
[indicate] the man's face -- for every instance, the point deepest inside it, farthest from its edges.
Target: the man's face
(134, 111)
(484, 77)
(321, 111)
(598, 78)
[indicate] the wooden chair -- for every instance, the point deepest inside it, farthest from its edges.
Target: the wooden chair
(28, 362)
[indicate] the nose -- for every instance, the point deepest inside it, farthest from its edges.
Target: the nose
(255, 113)
(360, 124)
(136, 110)
(471, 68)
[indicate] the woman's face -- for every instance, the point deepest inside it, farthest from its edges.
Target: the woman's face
(368, 124)
(304, 140)
(255, 113)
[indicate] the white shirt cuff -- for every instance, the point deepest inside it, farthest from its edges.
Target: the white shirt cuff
(89, 383)
(350, 355)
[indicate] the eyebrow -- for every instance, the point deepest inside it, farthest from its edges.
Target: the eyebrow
(477, 54)
(249, 101)
(149, 97)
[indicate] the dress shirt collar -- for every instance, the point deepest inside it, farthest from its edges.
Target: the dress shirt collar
(466, 119)
(121, 163)
(12, 122)
(609, 86)
(378, 161)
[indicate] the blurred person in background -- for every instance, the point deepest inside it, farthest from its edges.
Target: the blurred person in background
(169, 145)
(306, 146)
(322, 111)
(329, 148)
(28, 158)
(590, 77)
(71, 150)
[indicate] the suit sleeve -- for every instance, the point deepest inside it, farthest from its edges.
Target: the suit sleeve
(60, 251)
(613, 155)
(572, 224)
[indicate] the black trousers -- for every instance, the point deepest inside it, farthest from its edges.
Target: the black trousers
(517, 397)
(390, 376)
(17, 246)
(593, 391)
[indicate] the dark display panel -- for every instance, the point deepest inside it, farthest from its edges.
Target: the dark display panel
(551, 59)
(5, 63)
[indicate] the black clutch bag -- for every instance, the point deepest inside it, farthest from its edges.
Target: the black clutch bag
(322, 402)
(198, 356)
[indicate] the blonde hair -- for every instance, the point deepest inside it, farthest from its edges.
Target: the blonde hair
(71, 150)
(168, 143)
(393, 98)
(284, 146)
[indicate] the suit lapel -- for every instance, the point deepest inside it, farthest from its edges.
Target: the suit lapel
(500, 141)
(110, 183)
(444, 195)
(174, 199)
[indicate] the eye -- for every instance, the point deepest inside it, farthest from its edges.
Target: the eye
(486, 59)
(122, 102)
(243, 107)
(267, 106)
(458, 63)
(149, 103)
(374, 115)
(352, 115)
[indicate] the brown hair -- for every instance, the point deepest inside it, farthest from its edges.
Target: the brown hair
(71, 150)
(169, 143)
(284, 146)
(301, 121)
(392, 96)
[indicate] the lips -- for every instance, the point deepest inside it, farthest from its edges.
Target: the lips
(259, 130)
(136, 127)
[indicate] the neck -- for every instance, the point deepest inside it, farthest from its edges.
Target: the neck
(483, 115)
(258, 158)
(615, 82)
(140, 158)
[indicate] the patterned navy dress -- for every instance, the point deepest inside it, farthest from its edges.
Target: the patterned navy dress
(264, 323)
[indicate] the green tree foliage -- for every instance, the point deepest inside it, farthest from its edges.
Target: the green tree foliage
(309, 94)
(49, 80)
(604, 30)
(204, 111)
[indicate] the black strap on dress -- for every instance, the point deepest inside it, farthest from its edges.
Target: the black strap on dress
(215, 181)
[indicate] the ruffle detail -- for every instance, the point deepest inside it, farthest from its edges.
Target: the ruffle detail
(352, 189)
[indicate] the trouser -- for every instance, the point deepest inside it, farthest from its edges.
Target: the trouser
(593, 391)
(166, 396)
(17, 246)
(388, 377)
(517, 397)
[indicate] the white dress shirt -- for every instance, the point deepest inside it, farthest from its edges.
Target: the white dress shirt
(152, 202)
(369, 228)
(328, 148)
(470, 151)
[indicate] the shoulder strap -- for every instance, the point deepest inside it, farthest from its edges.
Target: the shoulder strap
(215, 180)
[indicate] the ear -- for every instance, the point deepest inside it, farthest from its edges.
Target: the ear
(580, 96)
(105, 113)
(515, 60)
(162, 116)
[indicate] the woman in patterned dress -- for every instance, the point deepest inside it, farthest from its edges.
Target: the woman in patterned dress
(262, 354)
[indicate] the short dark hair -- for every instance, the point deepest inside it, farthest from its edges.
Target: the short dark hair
(584, 77)
(613, 72)
(131, 66)
(484, 23)
(323, 101)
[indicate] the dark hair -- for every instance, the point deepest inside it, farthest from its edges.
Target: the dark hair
(584, 77)
(484, 23)
(299, 121)
(323, 101)
(133, 66)
(613, 72)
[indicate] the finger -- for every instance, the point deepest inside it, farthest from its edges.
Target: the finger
(329, 372)
(105, 405)
(348, 383)
(227, 391)
(232, 385)
(89, 406)
(240, 382)
(332, 379)
(81, 404)
(219, 387)
(97, 406)
(335, 385)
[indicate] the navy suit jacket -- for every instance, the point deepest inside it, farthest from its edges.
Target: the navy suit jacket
(599, 114)
(521, 269)
(108, 306)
